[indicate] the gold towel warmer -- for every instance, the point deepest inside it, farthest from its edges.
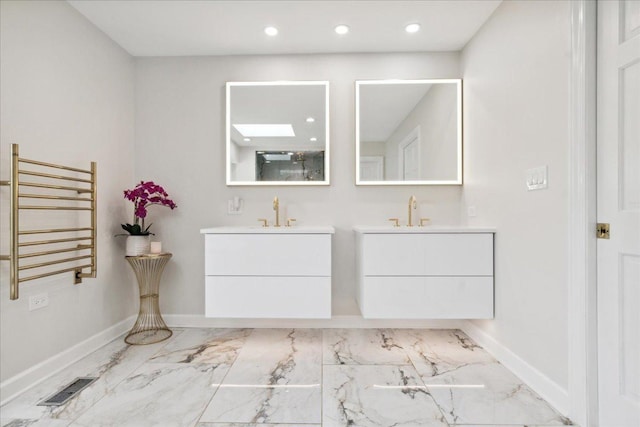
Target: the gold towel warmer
(15, 207)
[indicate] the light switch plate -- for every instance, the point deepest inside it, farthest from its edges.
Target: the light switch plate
(537, 178)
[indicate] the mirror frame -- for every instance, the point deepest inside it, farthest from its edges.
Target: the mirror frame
(458, 82)
(326, 181)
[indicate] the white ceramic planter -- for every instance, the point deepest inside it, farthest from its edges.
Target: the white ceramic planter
(137, 245)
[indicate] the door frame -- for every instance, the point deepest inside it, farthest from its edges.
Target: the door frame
(414, 135)
(582, 360)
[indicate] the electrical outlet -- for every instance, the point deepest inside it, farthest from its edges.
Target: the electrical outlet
(235, 206)
(38, 301)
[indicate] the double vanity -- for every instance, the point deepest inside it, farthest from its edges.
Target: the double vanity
(277, 133)
(402, 272)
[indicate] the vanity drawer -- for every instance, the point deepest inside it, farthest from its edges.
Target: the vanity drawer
(268, 254)
(268, 297)
(437, 254)
(426, 297)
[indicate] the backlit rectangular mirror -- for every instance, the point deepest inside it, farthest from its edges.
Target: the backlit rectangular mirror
(278, 133)
(409, 132)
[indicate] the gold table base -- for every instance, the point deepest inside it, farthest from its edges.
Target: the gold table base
(149, 327)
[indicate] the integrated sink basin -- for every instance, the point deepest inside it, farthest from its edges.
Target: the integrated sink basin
(427, 229)
(258, 229)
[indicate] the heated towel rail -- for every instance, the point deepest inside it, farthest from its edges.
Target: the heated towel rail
(80, 195)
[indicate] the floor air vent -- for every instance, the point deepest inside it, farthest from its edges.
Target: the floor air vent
(61, 397)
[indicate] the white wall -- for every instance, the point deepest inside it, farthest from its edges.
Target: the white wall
(180, 144)
(516, 96)
(67, 96)
(437, 118)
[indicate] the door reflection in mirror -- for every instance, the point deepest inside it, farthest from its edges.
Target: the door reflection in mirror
(411, 127)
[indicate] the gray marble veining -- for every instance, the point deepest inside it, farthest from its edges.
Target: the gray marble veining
(112, 363)
(254, 425)
(156, 395)
(199, 345)
(377, 396)
(437, 351)
(363, 347)
(275, 379)
(204, 377)
(42, 422)
(489, 394)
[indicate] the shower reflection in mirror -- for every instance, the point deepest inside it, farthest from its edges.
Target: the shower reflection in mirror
(289, 166)
(277, 133)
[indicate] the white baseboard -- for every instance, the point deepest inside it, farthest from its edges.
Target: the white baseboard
(550, 391)
(342, 321)
(17, 384)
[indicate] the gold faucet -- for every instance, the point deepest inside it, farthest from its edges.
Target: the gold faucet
(276, 207)
(413, 204)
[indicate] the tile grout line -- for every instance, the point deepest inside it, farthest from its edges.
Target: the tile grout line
(198, 420)
(427, 388)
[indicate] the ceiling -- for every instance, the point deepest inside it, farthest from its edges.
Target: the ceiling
(213, 27)
(280, 104)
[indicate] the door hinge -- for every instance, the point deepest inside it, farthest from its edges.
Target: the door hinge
(602, 230)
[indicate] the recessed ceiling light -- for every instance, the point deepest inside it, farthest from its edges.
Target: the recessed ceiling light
(342, 29)
(310, 120)
(313, 139)
(271, 31)
(265, 130)
(247, 139)
(412, 28)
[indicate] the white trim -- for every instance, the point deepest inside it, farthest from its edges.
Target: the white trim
(28, 378)
(541, 384)
(340, 321)
(410, 138)
(582, 315)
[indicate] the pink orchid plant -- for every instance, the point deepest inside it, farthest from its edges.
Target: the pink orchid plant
(144, 195)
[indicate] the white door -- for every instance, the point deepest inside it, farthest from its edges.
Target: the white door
(410, 160)
(371, 168)
(618, 139)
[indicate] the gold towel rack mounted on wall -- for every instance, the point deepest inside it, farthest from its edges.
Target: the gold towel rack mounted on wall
(80, 189)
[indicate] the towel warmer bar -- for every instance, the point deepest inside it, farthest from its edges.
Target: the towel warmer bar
(85, 184)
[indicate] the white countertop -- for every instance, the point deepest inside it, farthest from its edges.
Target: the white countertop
(270, 230)
(403, 229)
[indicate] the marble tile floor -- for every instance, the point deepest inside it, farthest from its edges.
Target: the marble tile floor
(290, 377)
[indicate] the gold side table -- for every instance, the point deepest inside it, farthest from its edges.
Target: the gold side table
(149, 327)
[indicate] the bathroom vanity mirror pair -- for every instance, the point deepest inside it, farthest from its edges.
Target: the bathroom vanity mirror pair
(408, 132)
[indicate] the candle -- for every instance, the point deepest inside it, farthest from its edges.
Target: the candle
(156, 247)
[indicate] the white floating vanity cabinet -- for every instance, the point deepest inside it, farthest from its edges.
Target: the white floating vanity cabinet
(425, 272)
(270, 272)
